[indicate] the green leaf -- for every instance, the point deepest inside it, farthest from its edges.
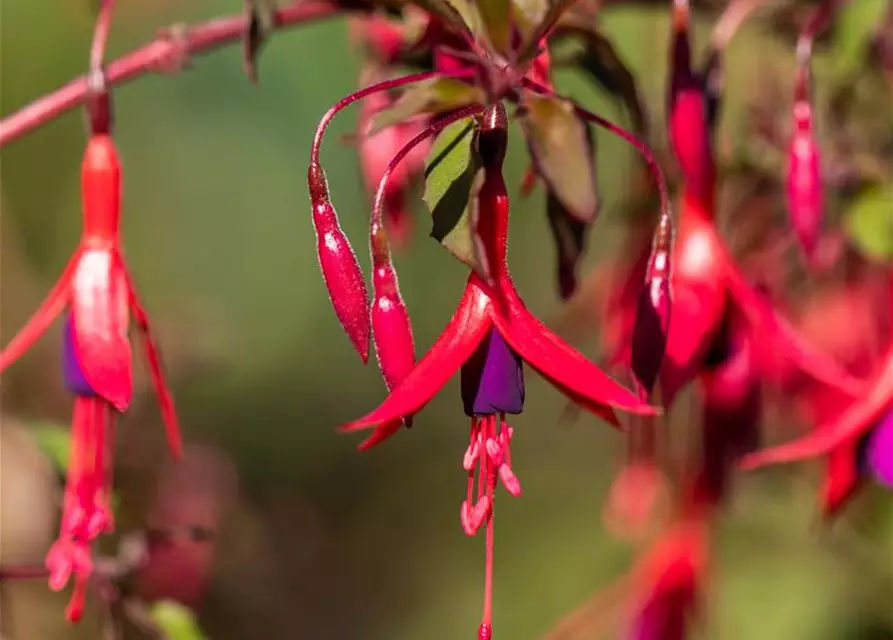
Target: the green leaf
(562, 149)
(854, 26)
(553, 12)
(457, 14)
(453, 179)
(869, 223)
(496, 18)
(55, 442)
(176, 621)
(432, 96)
(528, 14)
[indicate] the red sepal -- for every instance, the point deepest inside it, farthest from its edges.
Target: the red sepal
(38, 323)
(456, 344)
(558, 361)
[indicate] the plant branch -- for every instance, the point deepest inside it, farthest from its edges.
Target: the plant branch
(165, 53)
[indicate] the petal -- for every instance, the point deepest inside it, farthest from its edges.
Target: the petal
(156, 372)
(38, 323)
(100, 317)
(862, 415)
(842, 478)
(767, 322)
(696, 318)
(453, 348)
(380, 434)
(556, 360)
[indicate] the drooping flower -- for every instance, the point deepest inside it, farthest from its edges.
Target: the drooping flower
(488, 338)
(668, 583)
(856, 442)
(97, 291)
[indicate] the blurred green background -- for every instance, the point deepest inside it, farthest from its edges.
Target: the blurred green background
(332, 543)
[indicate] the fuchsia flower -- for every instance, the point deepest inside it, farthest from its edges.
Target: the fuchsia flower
(489, 336)
(97, 290)
(857, 442)
(668, 583)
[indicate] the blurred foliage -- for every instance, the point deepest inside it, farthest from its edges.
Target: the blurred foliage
(55, 442)
(344, 545)
(176, 621)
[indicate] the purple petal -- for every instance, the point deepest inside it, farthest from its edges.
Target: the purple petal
(75, 380)
(879, 452)
(493, 379)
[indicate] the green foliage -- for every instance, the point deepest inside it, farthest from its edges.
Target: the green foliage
(869, 223)
(495, 15)
(854, 26)
(175, 621)
(560, 144)
(432, 96)
(453, 179)
(55, 442)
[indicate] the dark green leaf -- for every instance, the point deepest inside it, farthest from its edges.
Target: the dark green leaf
(602, 62)
(854, 26)
(432, 96)
(569, 235)
(459, 15)
(175, 621)
(554, 11)
(260, 23)
(453, 180)
(496, 19)
(55, 442)
(561, 147)
(528, 14)
(869, 223)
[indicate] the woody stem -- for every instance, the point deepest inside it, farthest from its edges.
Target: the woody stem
(201, 38)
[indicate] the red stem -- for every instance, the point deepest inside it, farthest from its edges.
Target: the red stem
(817, 21)
(26, 572)
(101, 34)
(385, 85)
(153, 56)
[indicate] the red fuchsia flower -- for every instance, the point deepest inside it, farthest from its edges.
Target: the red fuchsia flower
(97, 291)
(731, 393)
(856, 443)
(489, 336)
(804, 189)
(338, 262)
(668, 585)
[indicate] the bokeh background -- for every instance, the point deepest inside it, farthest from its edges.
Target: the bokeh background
(322, 541)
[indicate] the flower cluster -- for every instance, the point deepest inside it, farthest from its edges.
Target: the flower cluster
(686, 313)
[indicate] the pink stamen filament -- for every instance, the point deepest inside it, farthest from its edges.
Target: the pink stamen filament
(490, 466)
